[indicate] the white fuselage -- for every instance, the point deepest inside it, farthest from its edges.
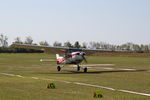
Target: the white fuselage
(73, 58)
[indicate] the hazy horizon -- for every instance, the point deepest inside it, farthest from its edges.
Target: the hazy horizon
(110, 21)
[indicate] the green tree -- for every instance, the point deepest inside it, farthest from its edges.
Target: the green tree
(57, 43)
(67, 44)
(77, 45)
(136, 48)
(44, 43)
(144, 48)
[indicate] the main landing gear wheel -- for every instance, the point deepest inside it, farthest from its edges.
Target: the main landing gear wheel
(58, 68)
(78, 68)
(85, 69)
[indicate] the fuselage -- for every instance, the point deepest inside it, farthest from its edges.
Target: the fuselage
(72, 58)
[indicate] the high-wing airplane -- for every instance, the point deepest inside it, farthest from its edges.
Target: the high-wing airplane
(72, 55)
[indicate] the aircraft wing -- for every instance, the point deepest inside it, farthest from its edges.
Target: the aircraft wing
(61, 49)
(40, 47)
(97, 50)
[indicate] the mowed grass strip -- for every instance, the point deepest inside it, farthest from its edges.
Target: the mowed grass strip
(29, 65)
(14, 88)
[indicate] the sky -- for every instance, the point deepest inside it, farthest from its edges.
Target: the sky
(110, 21)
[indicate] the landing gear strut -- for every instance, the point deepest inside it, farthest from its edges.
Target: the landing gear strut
(85, 69)
(58, 68)
(78, 68)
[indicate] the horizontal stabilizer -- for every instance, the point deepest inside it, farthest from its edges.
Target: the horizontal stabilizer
(47, 60)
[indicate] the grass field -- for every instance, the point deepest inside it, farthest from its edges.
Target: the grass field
(29, 88)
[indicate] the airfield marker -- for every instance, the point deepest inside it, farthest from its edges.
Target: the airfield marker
(134, 92)
(35, 78)
(11, 75)
(97, 94)
(7, 74)
(19, 76)
(51, 86)
(129, 69)
(85, 84)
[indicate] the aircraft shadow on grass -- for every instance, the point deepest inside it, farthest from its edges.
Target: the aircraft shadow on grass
(96, 72)
(112, 71)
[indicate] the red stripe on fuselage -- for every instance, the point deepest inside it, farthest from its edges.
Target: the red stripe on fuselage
(61, 60)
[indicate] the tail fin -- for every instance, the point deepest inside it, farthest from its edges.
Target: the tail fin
(57, 56)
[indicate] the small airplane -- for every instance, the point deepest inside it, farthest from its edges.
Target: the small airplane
(72, 55)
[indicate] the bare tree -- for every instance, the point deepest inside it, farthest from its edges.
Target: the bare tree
(18, 40)
(91, 44)
(29, 40)
(84, 45)
(3, 40)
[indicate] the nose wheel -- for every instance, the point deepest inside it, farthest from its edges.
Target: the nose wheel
(85, 69)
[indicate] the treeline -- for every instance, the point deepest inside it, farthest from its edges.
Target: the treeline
(130, 47)
(5, 48)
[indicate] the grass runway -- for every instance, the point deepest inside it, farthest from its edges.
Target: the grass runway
(28, 65)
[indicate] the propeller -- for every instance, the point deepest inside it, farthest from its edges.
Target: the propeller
(83, 56)
(84, 59)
